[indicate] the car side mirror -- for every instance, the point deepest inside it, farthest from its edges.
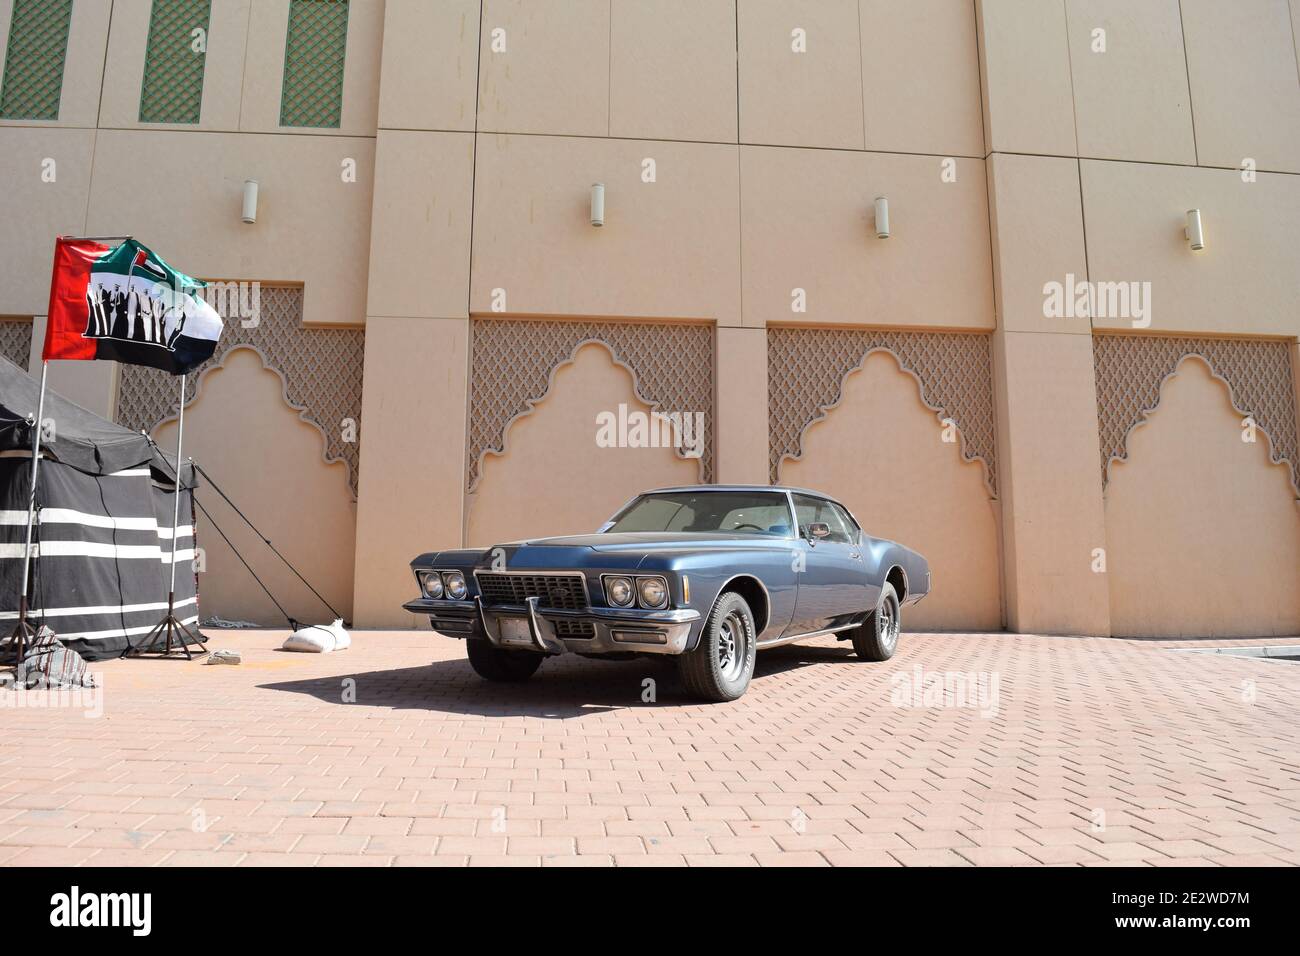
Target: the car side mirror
(819, 530)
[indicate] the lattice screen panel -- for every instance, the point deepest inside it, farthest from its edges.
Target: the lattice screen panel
(313, 63)
(172, 91)
(1130, 370)
(16, 341)
(34, 58)
(513, 360)
(806, 369)
(321, 368)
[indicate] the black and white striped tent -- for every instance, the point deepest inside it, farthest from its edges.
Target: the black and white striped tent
(103, 538)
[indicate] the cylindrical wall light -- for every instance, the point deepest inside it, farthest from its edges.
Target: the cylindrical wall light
(598, 204)
(1194, 231)
(249, 214)
(882, 217)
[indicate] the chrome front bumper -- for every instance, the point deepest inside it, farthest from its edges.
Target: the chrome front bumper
(616, 630)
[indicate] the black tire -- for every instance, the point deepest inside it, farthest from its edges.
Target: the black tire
(720, 668)
(877, 638)
(491, 663)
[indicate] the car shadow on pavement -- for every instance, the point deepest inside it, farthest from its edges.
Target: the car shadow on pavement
(561, 689)
(781, 659)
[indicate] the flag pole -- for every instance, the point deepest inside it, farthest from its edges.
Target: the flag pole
(23, 630)
(171, 629)
(176, 502)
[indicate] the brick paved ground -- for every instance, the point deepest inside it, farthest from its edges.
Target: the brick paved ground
(1192, 759)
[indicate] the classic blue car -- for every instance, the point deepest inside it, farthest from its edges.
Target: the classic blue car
(709, 573)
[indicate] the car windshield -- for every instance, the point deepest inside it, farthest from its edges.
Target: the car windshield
(742, 512)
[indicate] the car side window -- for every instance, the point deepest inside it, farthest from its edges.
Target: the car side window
(810, 510)
(850, 525)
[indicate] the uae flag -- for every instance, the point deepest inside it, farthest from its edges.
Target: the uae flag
(126, 305)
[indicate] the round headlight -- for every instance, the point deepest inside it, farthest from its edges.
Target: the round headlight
(432, 584)
(619, 591)
(654, 593)
(456, 589)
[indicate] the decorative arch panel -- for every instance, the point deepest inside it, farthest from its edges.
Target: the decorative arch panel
(321, 369)
(1130, 370)
(513, 364)
(806, 370)
(16, 340)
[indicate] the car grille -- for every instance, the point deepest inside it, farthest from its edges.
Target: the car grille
(567, 592)
(584, 630)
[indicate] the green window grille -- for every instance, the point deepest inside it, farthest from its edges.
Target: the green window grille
(34, 58)
(172, 90)
(313, 63)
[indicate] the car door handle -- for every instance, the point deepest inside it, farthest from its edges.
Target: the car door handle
(854, 554)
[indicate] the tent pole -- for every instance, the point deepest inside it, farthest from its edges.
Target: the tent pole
(23, 629)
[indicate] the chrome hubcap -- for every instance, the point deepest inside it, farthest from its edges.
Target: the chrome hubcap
(887, 624)
(733, 646)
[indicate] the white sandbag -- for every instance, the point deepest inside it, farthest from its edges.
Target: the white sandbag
(342, 639)
(319, 638)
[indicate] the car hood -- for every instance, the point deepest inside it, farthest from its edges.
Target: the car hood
(655, 541)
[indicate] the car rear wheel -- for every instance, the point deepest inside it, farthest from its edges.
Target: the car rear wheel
(494, 664)
(877, 639)
(720, 668)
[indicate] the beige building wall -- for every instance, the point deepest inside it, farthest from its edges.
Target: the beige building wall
(536, 253)
(742, 144)
(809, 225)
(413, 411)
(1247, 280)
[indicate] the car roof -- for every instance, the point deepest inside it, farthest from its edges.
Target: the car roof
(777, 488)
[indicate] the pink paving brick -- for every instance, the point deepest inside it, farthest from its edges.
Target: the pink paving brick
(814, 766)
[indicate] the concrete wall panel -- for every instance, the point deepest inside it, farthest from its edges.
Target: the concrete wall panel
(413, 413)
(544, 67)
(429, 76)
(1036, 215)
(420, 237)
(1131, 98)
(809, 223)
(670, 248)
(673, 70)
(1049, 483)
(1246, 280)
(1025, 63)
(920, 77)
(810, 98)
(1245, 96)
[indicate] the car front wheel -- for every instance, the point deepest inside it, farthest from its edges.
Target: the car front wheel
(877, 639)
(491, 663)
(720, 668)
